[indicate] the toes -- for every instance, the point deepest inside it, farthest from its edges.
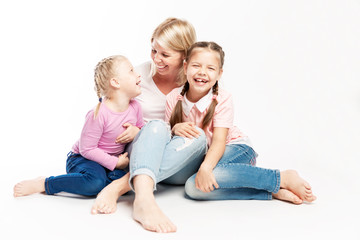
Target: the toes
(163, 228)
(307, 185)
(296, 200)
(94, 210)
(311, 198)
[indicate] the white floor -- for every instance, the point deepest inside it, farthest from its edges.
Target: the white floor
(335, 215)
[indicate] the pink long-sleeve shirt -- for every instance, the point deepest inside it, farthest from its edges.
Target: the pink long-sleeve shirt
(97, 140)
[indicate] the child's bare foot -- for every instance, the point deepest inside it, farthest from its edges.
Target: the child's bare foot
(147, 212)
(309, 196)
(105, 202)
(288, 196)
(291, 181)
(28, 187)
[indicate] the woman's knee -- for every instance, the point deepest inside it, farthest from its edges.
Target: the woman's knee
(156, 127)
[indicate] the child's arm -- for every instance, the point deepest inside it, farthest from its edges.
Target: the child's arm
(205, 180)
(185, 129)
(132, 130)
(129, 134)
(89, 140)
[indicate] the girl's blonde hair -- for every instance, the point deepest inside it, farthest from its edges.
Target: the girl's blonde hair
(104, 71)
(177, 114)
(177, 35)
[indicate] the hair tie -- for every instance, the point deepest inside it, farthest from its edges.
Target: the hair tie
(100, 99)
(214, 97)
(180, 97)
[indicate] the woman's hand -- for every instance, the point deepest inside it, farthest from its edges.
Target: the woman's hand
(123, 161)
(186, 129)
(128, 135)
(205, 180)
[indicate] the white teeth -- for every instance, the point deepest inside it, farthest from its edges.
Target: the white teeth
(200, 80)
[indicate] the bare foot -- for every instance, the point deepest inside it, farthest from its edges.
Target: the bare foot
(150, 216)
(291, 181)
(28, 187)
(105, 202)
(146, 211)
(286, 195)
(309, 196)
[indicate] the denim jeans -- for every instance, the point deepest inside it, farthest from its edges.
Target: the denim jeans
(238, 177)
(172, 160)
(84, 177)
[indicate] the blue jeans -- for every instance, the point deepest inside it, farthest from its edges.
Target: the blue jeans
(172, 160)
(84, 177)
(238, 177)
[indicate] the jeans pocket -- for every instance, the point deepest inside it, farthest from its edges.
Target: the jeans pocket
(71, 161)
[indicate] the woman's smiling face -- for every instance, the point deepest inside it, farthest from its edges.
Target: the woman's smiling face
(167, 61)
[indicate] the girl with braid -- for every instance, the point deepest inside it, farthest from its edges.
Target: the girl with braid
(228, 170)
(96, 159)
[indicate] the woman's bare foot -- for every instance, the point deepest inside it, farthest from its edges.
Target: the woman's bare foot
(286, 195)
(149, 215)
(28, 187)
(291, 181)
(105, 202)
(146, 211)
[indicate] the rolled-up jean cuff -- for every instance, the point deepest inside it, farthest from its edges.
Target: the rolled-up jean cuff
(277, 187)
(47, 190)
(142, 171)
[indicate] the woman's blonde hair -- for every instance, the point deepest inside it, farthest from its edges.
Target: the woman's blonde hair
(177, 114)
(104, 71)
(178, 35)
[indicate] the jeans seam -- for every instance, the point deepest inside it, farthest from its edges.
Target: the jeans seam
(277, 186)
(47, 190)
(242, 153)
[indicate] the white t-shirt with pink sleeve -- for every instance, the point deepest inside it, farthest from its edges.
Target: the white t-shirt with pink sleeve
(195, 112)
(97, 140)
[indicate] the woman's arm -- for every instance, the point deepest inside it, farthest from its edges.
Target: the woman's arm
(205, 180)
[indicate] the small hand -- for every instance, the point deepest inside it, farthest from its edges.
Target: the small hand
(128, 135)
(186, 129)
(205, 180)
(123, 161)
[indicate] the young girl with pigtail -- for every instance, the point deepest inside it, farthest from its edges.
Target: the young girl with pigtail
(228, 170)
(96, 159)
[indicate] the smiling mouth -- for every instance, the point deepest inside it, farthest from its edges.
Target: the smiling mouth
(201, 80)
(161, 67)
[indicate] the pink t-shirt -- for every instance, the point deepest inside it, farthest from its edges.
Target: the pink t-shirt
(195, 112)
(97, 140)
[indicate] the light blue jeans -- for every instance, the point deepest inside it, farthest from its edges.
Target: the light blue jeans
(154, 152)
(238, 178)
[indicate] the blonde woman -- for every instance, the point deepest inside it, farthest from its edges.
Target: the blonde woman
(156, 156)
(95, 159)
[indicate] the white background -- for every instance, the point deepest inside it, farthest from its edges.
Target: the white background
(292, 66)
